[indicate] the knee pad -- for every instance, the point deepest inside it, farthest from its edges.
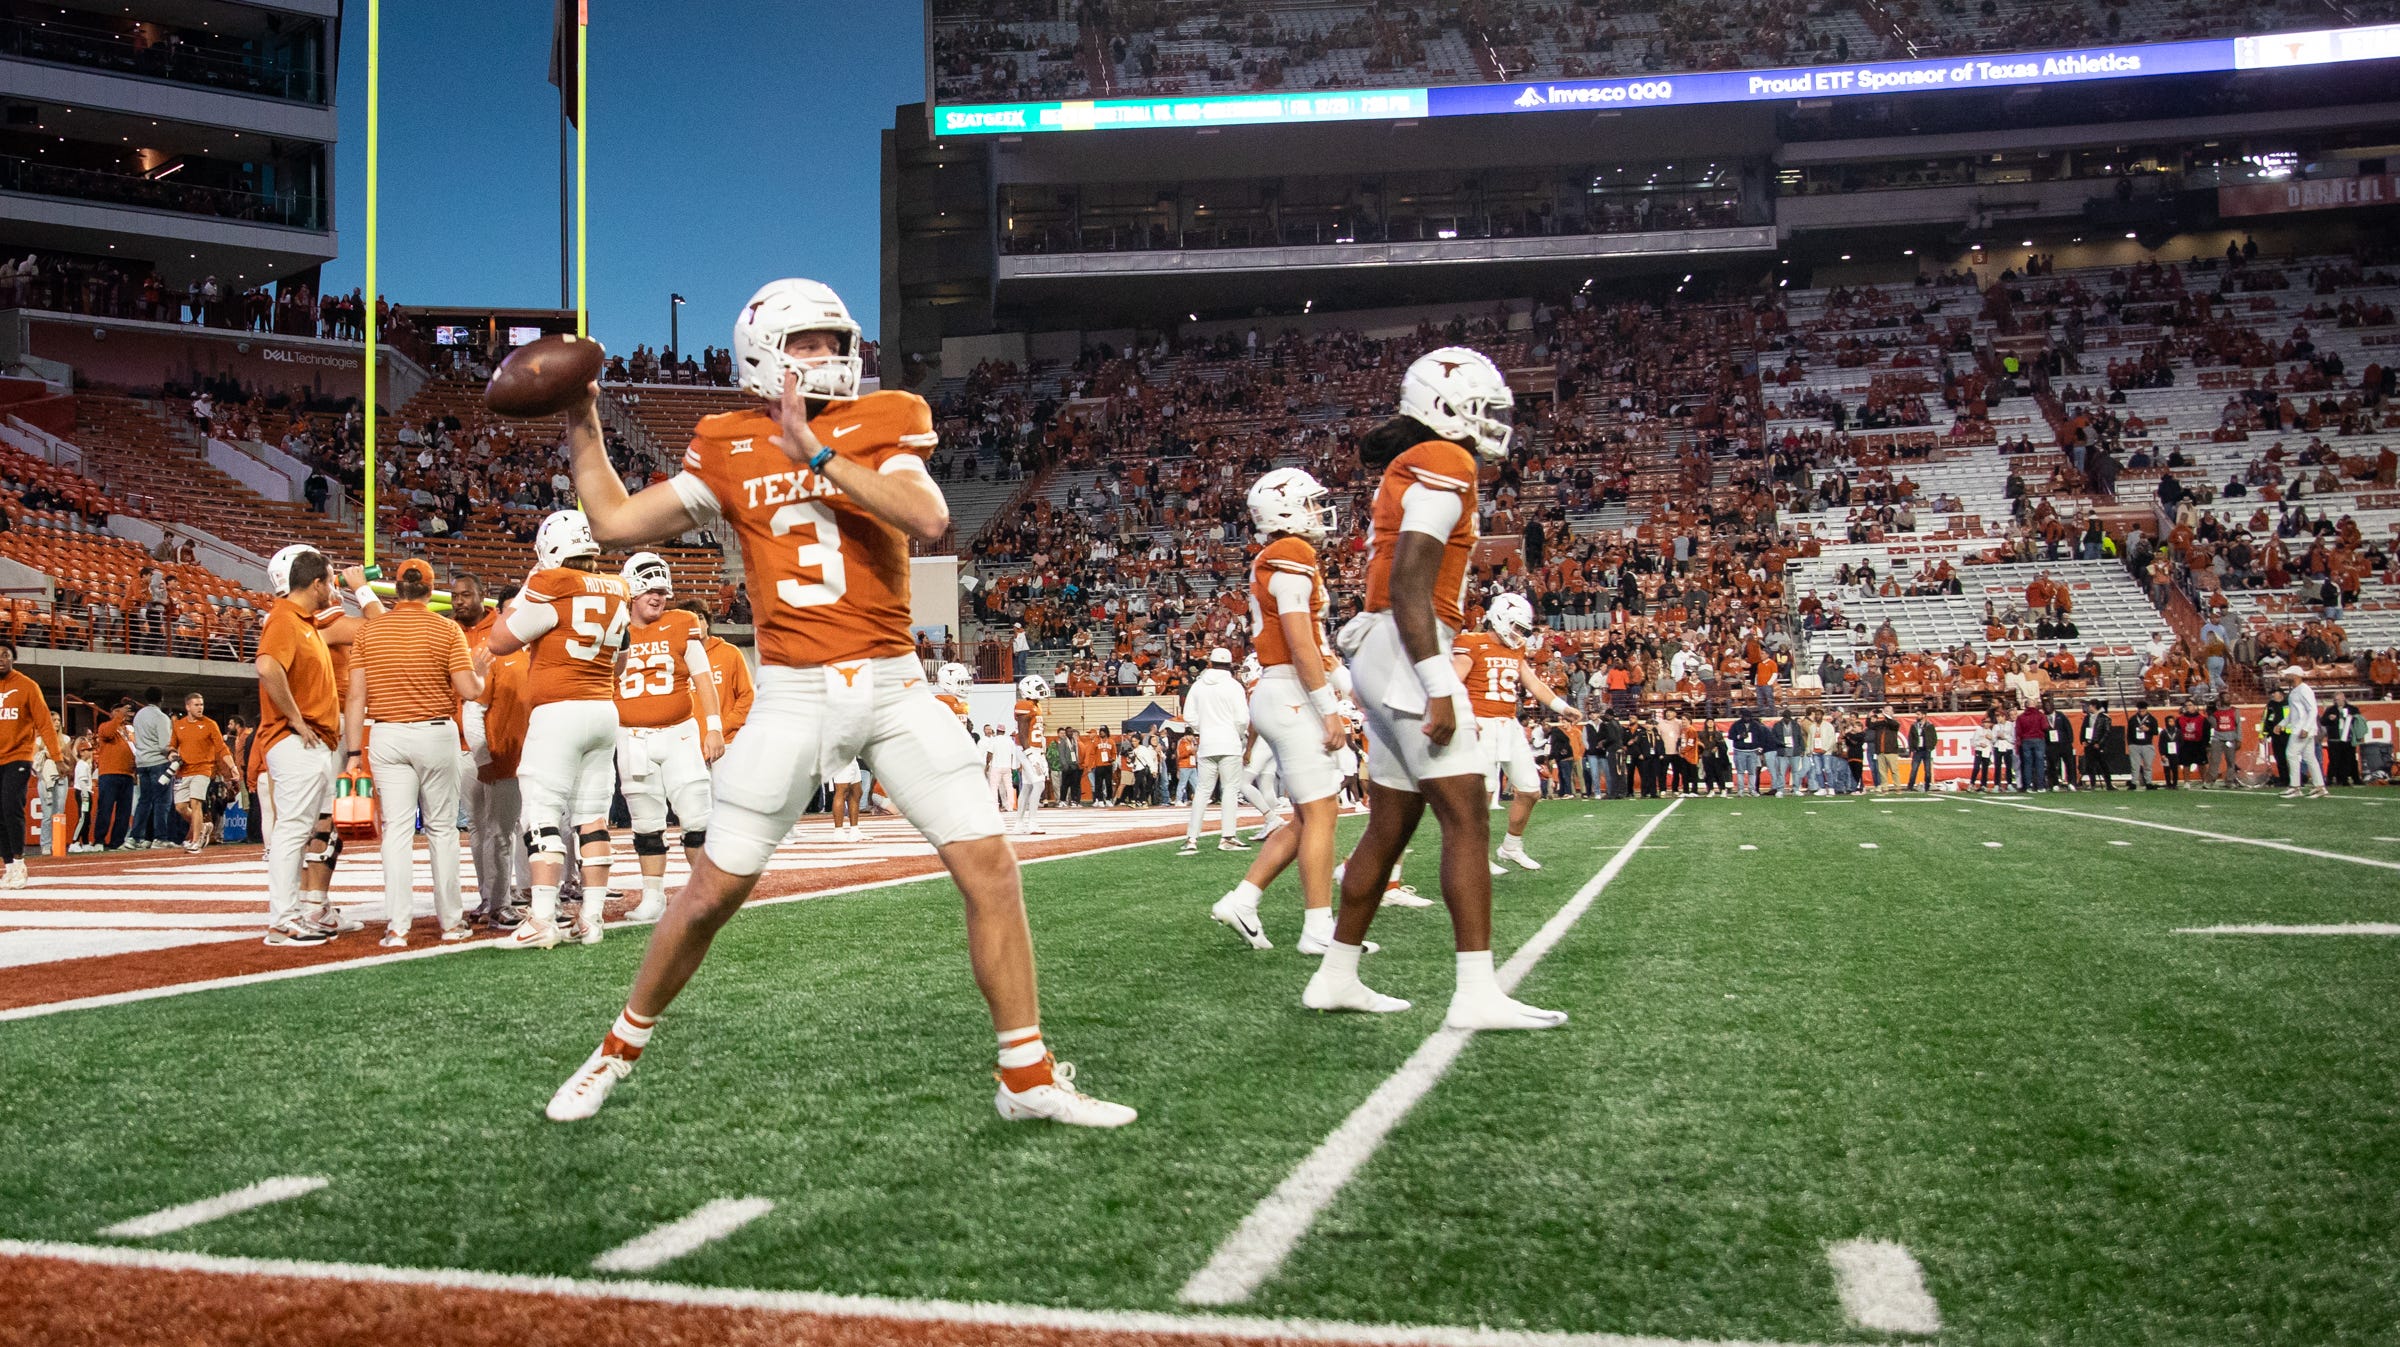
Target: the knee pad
(545, 842)
(694, 838)
(327, 849)
(597, 837)
(654, 844)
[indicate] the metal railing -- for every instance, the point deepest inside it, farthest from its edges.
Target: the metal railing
(36, 178)
(175, 57)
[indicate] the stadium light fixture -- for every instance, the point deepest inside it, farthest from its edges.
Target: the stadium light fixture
(1845, 257)
(2130, 234)
(1908, 252)
(2026, 244)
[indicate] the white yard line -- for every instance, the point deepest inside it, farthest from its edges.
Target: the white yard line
(438, 951)
(262, 1193)
(1038, 1318)
(1257, 1247)
(2352, 928)
(2198, 832)
(713, 1221)
(1882, 1288)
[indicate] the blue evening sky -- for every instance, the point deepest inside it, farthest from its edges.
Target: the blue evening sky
(732, 142)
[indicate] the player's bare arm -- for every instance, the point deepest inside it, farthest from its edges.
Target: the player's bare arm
(354, 714)
(1300, 637)
(618, 518)
(908, 501)
(1416, 561)
(1547, 699)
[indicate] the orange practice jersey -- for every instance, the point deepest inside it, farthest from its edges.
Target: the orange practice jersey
(828, 581)
(729, 669)
(958, 708)
(575, 660)
(1029, 715)
(1437, 465)
(199, 745)
(1284, 556)
(654, 690)
(1495, 674)
(24, 717)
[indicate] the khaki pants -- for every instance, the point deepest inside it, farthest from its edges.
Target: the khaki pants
(416, 770)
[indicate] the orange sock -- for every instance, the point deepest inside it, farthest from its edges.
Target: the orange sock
(1024, 1062)
(627, 1037)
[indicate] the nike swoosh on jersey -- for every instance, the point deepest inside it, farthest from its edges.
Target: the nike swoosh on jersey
(843, 431)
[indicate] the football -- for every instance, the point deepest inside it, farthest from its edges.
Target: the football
(545, 376)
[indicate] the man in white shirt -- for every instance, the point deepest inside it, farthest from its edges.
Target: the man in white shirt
(1219, 711)
(2300, 725)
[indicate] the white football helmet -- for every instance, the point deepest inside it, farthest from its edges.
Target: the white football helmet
(1510, 618)
(778, 310)
(647, 573)
(1459, 394)
(955, 679)
(279, 568)
(1033, 689)
(1288, 500)
(1251, 670)
(564, 536)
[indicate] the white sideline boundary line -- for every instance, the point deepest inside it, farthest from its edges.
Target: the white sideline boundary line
(1258, 1246)
(437, 951)
(826, 1305)
(2353, 928)
(265, 1192)
(709, 1222)
(2197, 832)
(1882, 1288)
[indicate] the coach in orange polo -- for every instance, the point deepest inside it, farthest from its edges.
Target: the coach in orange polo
(409, 671)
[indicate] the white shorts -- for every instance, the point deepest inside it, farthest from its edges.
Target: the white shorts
(568, 766)
(1506, 750)
(848, 774)
(1398, 753)
(661, 767)
(807, 722)
(1293, 731)
(192, 788)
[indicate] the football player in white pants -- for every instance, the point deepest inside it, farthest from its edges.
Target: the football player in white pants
(300, 726)
(1492, 662)
(825, 489)
(574, 620)
(1034, 755)
(1454, 408)
(669, 728)
(1295, 708)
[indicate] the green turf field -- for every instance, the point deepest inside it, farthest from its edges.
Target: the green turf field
(2086, 1127)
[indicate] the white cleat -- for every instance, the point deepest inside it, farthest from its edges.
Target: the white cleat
(588, 1088)
(651, 909)
(1243, 918)
(1515, 855)
(1323, 993)
(1498, 869)
(14, 876)
(394, 938)
(531, 934)
(1500, 1012)
(1316, 946)
(1060, 1102)
(588, 927)
(1189, 849)
(333, 919)
(1405, 896)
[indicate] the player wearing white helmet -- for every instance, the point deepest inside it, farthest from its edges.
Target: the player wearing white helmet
(824, 487)
(1492, 662)
(669, 726)
(574, 620)
(1033, 751)
(953, 683)
(1455, 411)
(337, 619)
(1295, 707)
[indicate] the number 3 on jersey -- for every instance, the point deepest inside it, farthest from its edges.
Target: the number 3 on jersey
(825, 554)
(602, 633)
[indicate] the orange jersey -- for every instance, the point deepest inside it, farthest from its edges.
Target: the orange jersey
(958, 708)
(1284, 557)
(290, 639)
(1436, 466)
(505, 711)
(112, 753)
(654, 689)
(199, 745)
(828, 581)
(1029, 720)
(730, 671)
(25, 717)
(1495, 674)
(575, 653)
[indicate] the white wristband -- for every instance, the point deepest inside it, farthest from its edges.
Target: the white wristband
(715, 724)
(1323, 699)
(1439, 677)
(365, 596)
(1556, 706)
